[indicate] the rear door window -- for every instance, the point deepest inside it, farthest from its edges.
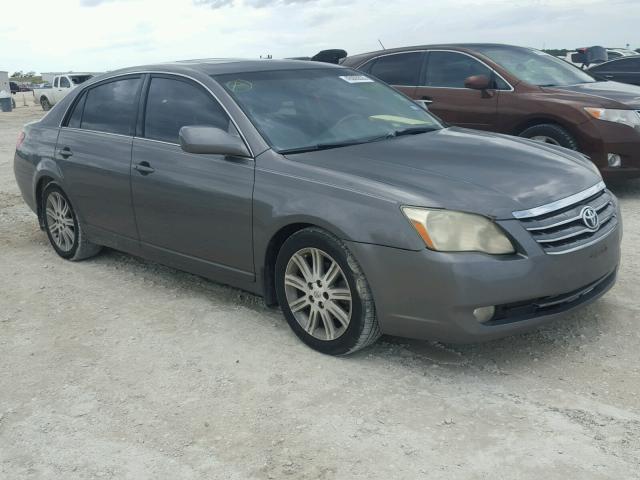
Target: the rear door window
(56, 81)
(451, 69)
(111, 107)
(402, 69)
(175, 103)
(75, 118)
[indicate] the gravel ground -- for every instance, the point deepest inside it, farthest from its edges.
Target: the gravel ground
(120, 368)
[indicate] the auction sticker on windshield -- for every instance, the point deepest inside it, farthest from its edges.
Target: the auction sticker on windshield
(356, 79)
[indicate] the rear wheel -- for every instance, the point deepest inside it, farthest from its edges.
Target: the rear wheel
(44, 102)
(63, 229)
(324, 294)
(551, 134)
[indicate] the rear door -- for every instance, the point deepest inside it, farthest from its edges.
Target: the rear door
(400, 70)
(192, 210)
(94, 152)
(442, 88)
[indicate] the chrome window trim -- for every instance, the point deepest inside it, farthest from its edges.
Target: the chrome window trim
(74, 129)
(149, 72)
(511, 89)
(558, 204)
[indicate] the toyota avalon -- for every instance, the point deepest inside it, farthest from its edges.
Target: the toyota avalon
(327, 192)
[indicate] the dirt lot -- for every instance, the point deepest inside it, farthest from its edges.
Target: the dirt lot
(120, 368)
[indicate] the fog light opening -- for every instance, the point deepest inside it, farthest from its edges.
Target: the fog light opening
(484, 314)
(614, 160)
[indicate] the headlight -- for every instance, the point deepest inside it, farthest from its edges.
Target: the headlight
(449, 231)
(626, 117)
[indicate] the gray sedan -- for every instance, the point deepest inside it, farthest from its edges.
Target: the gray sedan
(326, 192)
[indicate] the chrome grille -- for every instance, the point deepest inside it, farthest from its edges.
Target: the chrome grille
(559, 227)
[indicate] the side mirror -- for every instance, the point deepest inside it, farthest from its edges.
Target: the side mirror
(212, 140)
(478, 82)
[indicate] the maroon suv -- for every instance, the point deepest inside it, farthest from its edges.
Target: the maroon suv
(518, 91)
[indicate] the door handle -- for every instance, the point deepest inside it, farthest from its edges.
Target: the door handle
(144, 168)
(425, 102)
(426, 99)
(66, 152)
(608, 76)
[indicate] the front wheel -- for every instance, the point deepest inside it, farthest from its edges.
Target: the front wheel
(63, 229)
(324, 294)
(551, 134)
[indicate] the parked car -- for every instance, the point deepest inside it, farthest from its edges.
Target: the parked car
(518, 91)
(327, 192)
(62, 85)
(15, 88)
(624, 69)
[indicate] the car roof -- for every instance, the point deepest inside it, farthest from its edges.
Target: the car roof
(218, 66)
(449, 46)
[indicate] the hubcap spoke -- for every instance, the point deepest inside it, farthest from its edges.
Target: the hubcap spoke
(332, 273)
(316, 263)
(312, 324)
(302, 265)
(329, 327)
(338, 313)
(340, 294)
(295, 282)
(299, 304)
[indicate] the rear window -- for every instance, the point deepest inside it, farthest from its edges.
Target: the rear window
(111, 107)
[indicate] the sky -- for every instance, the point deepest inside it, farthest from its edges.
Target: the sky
(100, 35)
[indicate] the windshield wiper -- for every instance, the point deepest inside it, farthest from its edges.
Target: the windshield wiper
(328, 146)
(413, 131)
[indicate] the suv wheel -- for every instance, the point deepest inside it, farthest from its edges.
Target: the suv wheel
(550, 133)
(63, 229)
(324, 294)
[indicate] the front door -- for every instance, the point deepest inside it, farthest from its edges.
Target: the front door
(192, 210)
(442, 88)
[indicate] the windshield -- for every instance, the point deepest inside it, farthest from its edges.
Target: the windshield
(536, 67)
(311, 108)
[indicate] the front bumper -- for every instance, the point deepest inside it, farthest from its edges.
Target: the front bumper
(432, 295)
(609, 137)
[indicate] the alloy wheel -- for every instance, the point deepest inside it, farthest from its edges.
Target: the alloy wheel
(318, 293)
(60, 221)
(545, 139)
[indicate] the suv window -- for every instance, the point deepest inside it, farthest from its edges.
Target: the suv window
(173, 103)
(64, 82)
(451, 69)
(111, 107)
(398, 69)
(622, 65)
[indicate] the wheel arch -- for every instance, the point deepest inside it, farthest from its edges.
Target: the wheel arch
(271, 254)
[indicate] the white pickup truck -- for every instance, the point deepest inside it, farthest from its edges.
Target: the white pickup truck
(62, 84)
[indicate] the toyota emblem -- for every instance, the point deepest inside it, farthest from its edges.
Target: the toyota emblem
(590, 218)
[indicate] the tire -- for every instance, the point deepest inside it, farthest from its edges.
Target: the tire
(58, 213)
(338, 326)
(551, 133)
(44, 102)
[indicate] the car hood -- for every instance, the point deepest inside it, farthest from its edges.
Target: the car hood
(628, 95)
(460, 169)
